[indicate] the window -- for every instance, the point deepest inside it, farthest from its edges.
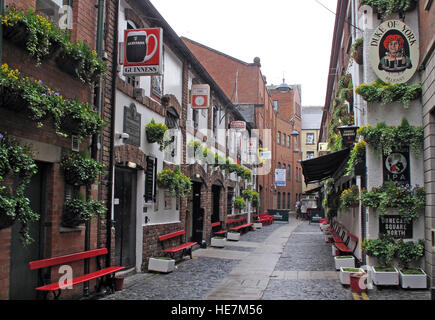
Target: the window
(288, 200)
(283, 200)
(283, 139)
(289, 172)
(289, 141)
(278, 137)
(310, 138)
(279, 201)
(58, 11)
(230, 196)
(310, 154)
(275, 105)
(215, 121)
(279, 165)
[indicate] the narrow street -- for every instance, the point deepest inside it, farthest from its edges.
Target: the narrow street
(283, 261)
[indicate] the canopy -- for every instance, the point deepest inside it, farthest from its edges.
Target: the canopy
(321, 168)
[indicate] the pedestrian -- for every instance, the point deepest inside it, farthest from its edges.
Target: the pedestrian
(298, 209)
(304, 210)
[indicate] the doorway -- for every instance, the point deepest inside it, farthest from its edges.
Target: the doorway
(216, 197)
(125, 217)
(23, 281)
(197, 213)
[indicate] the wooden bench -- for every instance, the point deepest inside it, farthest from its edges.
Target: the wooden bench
(184, 247)
(219, 232)
(242, 227)
(264, 218)
(57, 287)
(349, 245)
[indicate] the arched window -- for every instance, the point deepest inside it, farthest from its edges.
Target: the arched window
(279, 201)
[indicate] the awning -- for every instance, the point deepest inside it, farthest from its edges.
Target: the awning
(321, 168)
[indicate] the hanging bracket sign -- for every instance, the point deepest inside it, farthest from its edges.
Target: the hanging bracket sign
(394, 52)
(143, 52)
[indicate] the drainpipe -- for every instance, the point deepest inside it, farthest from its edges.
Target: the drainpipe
(96, 137)
(2, 12)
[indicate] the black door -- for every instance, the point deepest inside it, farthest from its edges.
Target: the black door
(23, 281)
(216, 192)
(125, 217)
(197, 213)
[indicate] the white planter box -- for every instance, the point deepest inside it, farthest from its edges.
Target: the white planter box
(218, 242)
(234, 236)
(161, 265)
(413, 281)
(258, 225)
(335, 252)
(348, 262)
(328, 238)
(384, 278)
(345, 275)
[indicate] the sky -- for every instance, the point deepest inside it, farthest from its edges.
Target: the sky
(292, 38)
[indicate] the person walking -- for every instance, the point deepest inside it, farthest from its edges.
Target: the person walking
(298, 209)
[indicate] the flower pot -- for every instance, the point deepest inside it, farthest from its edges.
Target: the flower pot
(358, 281)
(345, 273)
(385, 278)
(218, 242)
(163, 265)
(344, 262)
(413, 281)
(119, 283)
(233, 236)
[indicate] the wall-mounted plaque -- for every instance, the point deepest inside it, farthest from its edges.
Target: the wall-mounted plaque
(396, 167)
(132, 121)
(395, 226)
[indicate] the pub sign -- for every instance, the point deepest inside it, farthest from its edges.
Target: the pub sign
(396, 167)
(143, 52)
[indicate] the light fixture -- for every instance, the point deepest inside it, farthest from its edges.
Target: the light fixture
(294, 133)
(122, 135)
(131, 165)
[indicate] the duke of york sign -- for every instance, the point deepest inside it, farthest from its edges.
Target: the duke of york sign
(394, 52)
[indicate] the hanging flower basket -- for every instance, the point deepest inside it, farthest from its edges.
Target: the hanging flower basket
(357, 51)
(6, 221)
(18, 34)
(77, 211)
(155, 132)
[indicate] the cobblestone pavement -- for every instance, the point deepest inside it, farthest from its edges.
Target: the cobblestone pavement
(302, 268)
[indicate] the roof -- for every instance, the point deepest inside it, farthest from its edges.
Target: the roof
(321, 168)
(311, 118)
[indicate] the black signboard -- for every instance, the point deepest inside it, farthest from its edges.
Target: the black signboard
(395, 226)
(396, 167)
(132, 120)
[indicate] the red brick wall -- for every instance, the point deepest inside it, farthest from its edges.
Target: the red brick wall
(426, 26)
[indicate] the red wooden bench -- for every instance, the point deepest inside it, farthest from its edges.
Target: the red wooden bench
(57, 287)
(184, 247)
(266, 219)
(349, 245)
(219, 232)
(242, 227)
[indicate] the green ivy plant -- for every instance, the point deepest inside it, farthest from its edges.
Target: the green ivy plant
(357, 157)
(385, 93)
(255, 199)
(385, 138)
(390, 6)
(409, 201)
(248, 194)
(156, 132)
(16, 164)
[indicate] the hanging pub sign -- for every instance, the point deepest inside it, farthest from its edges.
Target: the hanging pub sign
(200, 96)
(395, 226)
(396, 167)
(394, 52)
(348, 135)
(143, 52)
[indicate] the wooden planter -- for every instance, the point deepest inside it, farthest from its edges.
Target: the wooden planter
(161, 265)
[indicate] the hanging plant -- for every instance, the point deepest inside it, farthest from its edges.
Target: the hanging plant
(357, 157)
(357, 51)
(194, 149)
(349, 197)
(178, 184)
(16, 166)
(219, 161)
(255, 199)
(385, 138)
(409, 201)
(80, 170)
(239, 203)
(248, 194)
(79, 211)
(156, 133)
(247, 175)
(384, 93)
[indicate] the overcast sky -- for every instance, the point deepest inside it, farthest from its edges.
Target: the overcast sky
(292, 38)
